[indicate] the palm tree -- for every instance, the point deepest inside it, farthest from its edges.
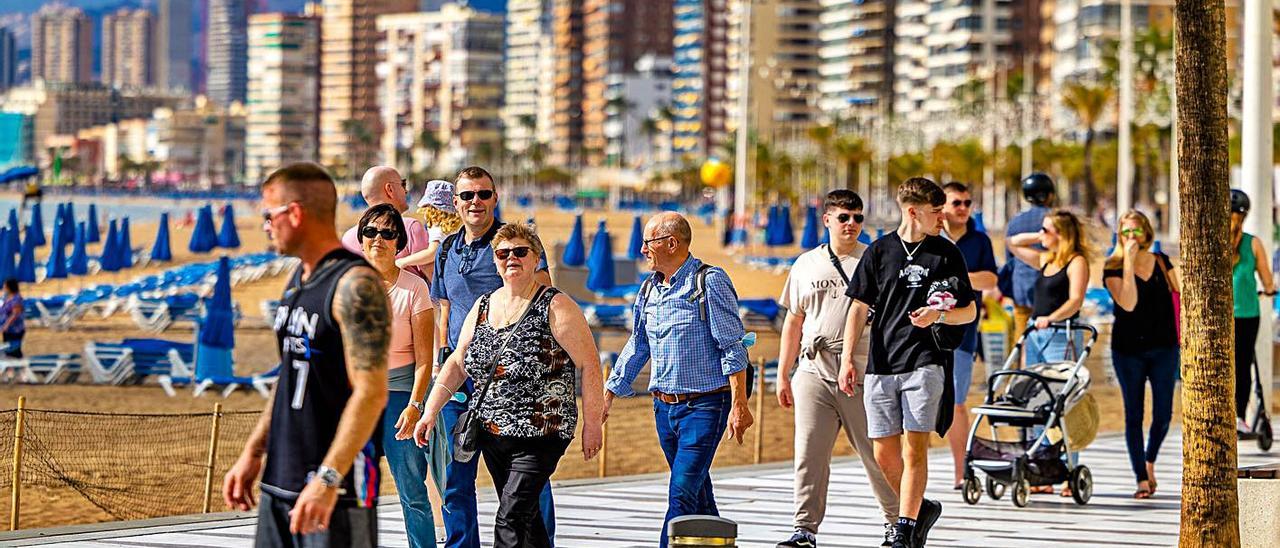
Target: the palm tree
(428, 142)
(1089, 103)
(619, 106)
(668, 116)
(361, 140)
(1209, 504)
(852, 150)
(650, 130)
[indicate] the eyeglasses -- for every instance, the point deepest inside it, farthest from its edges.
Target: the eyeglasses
(505, 253)
(958, 203)
(844, 218)
(468, 195)
(1132, 232)
(269, 214)
(371, 232)
(468, 254)
(649, 242)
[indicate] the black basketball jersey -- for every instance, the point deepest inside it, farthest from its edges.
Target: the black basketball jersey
(313, 388)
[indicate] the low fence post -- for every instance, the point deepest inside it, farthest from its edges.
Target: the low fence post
(15, 489)
(213, 458)
(603, 457)
(759, 449)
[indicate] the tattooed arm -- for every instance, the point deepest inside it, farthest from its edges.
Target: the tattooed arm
(364, 318)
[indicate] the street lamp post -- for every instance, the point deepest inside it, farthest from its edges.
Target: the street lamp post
(1257, 168)
(1124, 166)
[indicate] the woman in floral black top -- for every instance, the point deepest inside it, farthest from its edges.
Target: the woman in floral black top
(530, 407)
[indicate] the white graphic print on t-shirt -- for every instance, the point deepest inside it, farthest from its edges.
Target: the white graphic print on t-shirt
(915, 274)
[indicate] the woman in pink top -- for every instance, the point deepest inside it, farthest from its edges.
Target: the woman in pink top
(381, 233)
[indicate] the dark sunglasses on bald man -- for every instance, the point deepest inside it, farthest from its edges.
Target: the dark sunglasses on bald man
(520, 252)
(844, 218)
(371, 232)
(468, 195)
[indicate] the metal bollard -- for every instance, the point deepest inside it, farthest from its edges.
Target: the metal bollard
(702, 532)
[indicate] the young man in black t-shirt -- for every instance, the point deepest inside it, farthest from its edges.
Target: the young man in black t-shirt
(908, 281)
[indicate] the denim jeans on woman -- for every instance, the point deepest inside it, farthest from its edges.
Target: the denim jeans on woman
(689, 433)
(1133, 371)
(409, 466)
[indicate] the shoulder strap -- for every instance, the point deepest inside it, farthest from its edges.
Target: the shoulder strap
(1164, 271)
(835, 261)
(493, 364)
(447, 244)
(699, 294)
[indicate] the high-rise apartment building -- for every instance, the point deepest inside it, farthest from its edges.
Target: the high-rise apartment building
(127, 42)
(910, 59)
(964, 43)
(441, 88)
(61, 45)
(617, 33)
(349, 113)
(645, 92)
(856, 58)
(529, 97)
(174, 39)
(60, 109)
(566, 128)
(784, 80)
(699, 73)
(226, 51)
(282, 114)
(8, 59)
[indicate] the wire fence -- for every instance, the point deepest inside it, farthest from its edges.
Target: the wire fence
(71, 467)
(125, 466)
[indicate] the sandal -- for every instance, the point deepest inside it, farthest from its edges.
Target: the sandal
(1142, 494)
(1066, 491)
(1042, 490)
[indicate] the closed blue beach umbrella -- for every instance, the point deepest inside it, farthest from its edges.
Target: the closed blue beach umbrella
(79, 263)
(809, 238)
(69, 229)
(92, 232)
(124, 246)
(637, 239)
(160, 250)
(27, 261)
(217, 339)
(36, 228)
(227, 237)
(575, 253)
(788, 236)
(15, 230)
(205, 237)
(107, 260)
(6, 255)
(600, 263)
(773, 227)
(55, 268)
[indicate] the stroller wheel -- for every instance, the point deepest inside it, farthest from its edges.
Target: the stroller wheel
(995, 489)
(1264, 435)
(972, 492)
(1021, 492)
(1081, 484)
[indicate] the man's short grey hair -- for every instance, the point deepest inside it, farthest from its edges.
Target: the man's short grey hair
(676, 225)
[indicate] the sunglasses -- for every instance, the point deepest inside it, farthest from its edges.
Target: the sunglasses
(958, 203)
(371, 232)
(844, 218)
(468, 195)
(1132, 232)
(1044, 230)
(649, 242)
(269, 214)
(519, 251)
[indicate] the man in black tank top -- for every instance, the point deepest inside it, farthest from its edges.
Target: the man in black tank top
(332, 325)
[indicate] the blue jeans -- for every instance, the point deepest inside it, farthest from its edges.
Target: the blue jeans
(689, 433)
(461, 523)
(408, 465)
(1050, 345)
(1133, 371)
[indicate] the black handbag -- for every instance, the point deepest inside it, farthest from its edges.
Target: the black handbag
(466, 432)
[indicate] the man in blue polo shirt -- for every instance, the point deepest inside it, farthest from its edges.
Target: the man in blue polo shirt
(465, 271)
(981, 263)
(1039, 191)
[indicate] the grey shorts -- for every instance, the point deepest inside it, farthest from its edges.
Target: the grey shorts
(907, 401)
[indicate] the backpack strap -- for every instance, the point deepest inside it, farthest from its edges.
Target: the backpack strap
(447, 244)
(699, 294)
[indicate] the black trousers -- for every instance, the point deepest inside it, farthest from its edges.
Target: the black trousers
(521, 468)
(13, 344)
(1246, 336)
(350, 526)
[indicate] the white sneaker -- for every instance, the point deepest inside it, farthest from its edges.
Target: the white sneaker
(1242, 427)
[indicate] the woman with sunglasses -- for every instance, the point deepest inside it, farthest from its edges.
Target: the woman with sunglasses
(522, 344)
(1059, 293)
(1249, 267)
(1144, 340)
(411, 352)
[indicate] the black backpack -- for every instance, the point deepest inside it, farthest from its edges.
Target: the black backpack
(699, 296)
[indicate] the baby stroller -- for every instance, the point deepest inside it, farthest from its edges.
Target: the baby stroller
(1033, 402)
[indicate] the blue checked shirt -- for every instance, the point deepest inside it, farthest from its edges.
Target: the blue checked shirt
(689, 354)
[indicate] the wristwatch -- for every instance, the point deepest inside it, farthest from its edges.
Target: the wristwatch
(421, 406)
(328, 477)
